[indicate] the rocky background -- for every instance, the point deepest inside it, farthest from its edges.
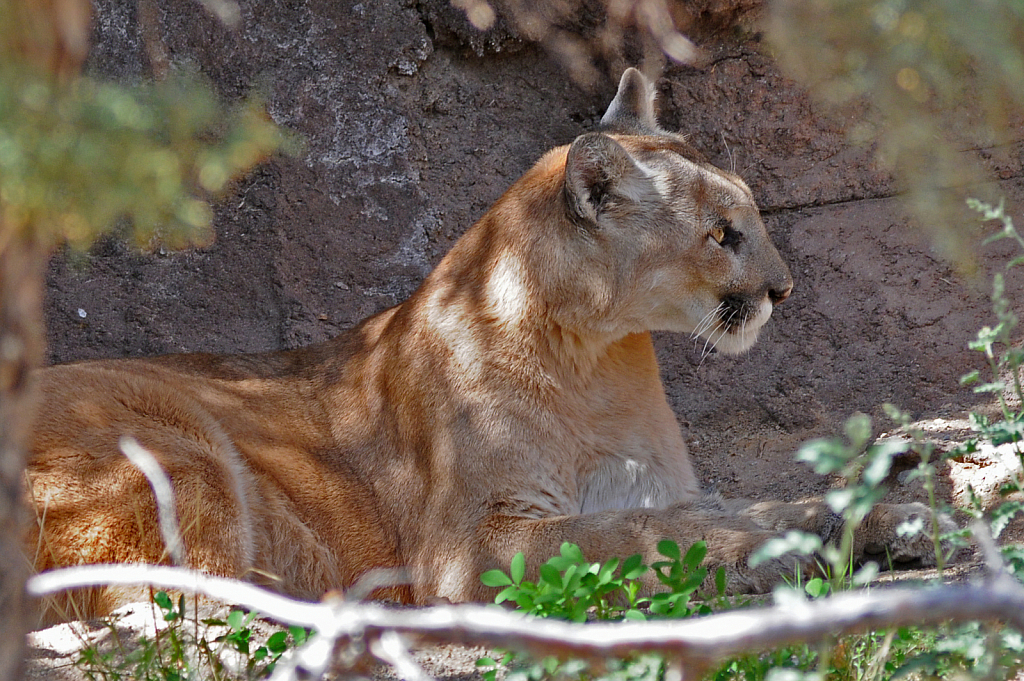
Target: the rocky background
(414, 122)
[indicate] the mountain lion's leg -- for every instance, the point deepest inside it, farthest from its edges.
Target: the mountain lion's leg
(886, 535)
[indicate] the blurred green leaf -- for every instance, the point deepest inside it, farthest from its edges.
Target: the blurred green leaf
(800, 543)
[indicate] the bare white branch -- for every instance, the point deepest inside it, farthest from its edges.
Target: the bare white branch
(696, 643)
(375, 579)
(163, 492)
(394, 649)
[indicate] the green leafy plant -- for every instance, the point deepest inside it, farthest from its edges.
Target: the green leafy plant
(182, 650)
(261, 660)
(994, 650)
(865, 465)
(682, 576)
(926, 471)
(1004, 357)
(986, 650)
(569, 587)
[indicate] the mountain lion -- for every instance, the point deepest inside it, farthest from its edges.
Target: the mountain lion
(512, 403)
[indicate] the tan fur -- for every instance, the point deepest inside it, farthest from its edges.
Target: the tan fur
(512, 403)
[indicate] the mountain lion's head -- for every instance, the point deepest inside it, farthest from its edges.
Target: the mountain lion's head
(660, 239)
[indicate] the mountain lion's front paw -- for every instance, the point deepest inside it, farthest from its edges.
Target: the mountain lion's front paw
(901, 535)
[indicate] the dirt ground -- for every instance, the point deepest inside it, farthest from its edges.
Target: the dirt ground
(413, 125)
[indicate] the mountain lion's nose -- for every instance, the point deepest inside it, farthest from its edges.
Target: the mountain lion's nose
(777, 295)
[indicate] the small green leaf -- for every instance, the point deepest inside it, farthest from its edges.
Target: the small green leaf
(695, 554)
(550, 575)
(840, 499)
(816, 587)
(525, 601)
(508, 594)
(518, 568)
(693, 582)
(970, 378)
(495, 578)
(574, 575)
(607, 571)
(669, 549)
(1003, 514)
(236, 619)
(572, 552)
(720, 580)
(278, 642)
(561, 563)
(825, 456)
(660, 604)
(241, 645)
(162, 600)
(633, 567)
(858, 430)
(801, 543)
(865, 574)
(880, 462)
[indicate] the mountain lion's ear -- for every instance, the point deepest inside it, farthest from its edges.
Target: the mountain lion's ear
(632, 110)
(598, 171)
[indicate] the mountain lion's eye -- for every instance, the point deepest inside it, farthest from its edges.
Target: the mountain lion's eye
(724, 233)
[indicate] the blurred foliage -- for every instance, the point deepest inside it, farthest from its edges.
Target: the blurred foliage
(76, 158)
(77, 154)
(591, 38)
(943, 77)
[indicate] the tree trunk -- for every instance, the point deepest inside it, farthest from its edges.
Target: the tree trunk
(22, 261)
(51, 36)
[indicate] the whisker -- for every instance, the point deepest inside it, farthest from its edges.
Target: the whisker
(712, 342)
(708, 320)
(706, 323)
(732, 159)
(725, 332)
(705, 328)
(707, 352)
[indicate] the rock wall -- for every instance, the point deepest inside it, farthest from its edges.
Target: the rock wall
(414, 125)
